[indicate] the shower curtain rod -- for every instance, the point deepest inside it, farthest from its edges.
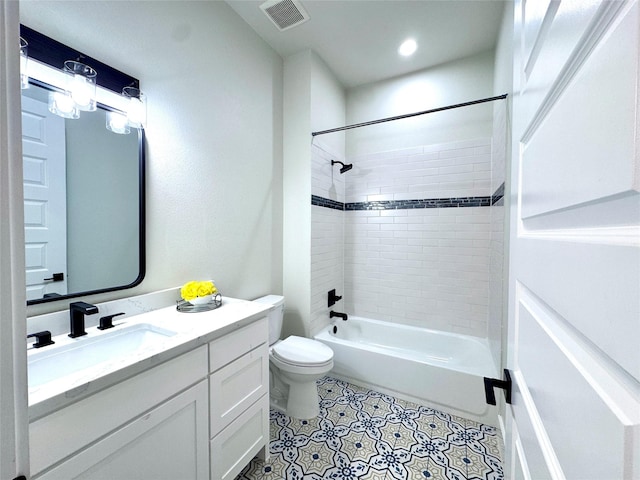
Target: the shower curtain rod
(400, 117)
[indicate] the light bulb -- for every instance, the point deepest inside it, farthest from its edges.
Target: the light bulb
(137, 108)
(81, 92)
(136, 111)
(117, 123)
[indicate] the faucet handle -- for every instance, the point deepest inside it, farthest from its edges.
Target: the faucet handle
(332, 298)
(107, 321)
(42, 339)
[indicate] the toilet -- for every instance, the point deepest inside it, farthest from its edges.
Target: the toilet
(295, 364)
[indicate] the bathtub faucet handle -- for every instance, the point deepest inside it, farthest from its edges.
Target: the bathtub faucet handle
(332, 298)
(343, 316)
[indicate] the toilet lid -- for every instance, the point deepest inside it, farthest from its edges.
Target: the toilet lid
(302, 351)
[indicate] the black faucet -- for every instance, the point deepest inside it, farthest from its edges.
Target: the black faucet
(77, 311)
(343, 316)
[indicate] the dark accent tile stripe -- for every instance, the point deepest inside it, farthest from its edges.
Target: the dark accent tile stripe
(453, 202)
(497, 195)
(326, 202)
(422, 203)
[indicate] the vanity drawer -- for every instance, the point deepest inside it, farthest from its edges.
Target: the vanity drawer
(235, 344)
(236, 445)
(233, 388)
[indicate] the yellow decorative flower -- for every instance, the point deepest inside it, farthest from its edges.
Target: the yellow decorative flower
(206, 288)
(191, 290)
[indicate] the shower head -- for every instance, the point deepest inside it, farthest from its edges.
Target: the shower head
(345, 168)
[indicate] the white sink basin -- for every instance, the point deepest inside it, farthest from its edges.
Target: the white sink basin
(56, 362)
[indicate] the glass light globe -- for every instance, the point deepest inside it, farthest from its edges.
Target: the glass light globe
(117, 123)
(62, 104)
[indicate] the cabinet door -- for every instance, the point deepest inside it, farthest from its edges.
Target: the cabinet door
(237, 444)
(90, 419)
(169, 442)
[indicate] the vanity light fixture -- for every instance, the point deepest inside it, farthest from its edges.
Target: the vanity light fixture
(75, 86)
(408, 47)
(24, 57)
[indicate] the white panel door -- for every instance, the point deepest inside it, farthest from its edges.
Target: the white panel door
(574, 287)
(45, 203)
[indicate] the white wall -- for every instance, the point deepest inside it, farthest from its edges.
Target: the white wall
(314, 100)
(214, 135)
(297, 194)
(456, 82)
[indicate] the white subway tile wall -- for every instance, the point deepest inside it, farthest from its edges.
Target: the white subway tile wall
(496, 285)
(327, 235)
(327, 263)
(459, 169)
(427, 267)
(423, 267)
(500, 142)
(326, 179)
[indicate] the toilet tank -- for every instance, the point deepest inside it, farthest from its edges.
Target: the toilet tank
(275, 316)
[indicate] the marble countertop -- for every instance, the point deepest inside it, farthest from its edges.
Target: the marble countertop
(192, 330)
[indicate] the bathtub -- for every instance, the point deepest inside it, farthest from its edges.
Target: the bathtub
(438, 369)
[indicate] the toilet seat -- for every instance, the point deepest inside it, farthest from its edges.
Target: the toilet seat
(302, 352)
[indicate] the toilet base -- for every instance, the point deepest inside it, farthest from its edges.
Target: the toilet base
(294, 394)
(303, 402)
(278, 392)
(278, 404)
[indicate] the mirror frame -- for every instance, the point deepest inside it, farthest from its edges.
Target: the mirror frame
(53, 53)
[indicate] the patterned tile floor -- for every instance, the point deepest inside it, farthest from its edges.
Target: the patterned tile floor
(364, 434)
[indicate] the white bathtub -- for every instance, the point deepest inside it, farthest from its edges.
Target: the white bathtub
(439, 369)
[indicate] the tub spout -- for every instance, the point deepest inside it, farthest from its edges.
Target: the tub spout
(343, 316)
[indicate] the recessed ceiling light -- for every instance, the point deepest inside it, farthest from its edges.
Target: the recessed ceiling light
(408, 47)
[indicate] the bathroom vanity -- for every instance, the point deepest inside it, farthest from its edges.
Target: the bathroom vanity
(192, 404)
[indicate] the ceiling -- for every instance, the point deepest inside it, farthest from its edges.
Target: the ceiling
(358, 39)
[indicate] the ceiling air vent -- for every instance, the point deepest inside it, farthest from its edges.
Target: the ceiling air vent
(285, 14)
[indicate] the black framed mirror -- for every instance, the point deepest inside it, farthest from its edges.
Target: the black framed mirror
(84, 189)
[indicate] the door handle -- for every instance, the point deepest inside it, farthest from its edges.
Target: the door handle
(57, 277)
(490, 383)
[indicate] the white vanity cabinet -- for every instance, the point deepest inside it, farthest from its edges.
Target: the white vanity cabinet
(202, 415)
(130, 430)
(239, 399)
